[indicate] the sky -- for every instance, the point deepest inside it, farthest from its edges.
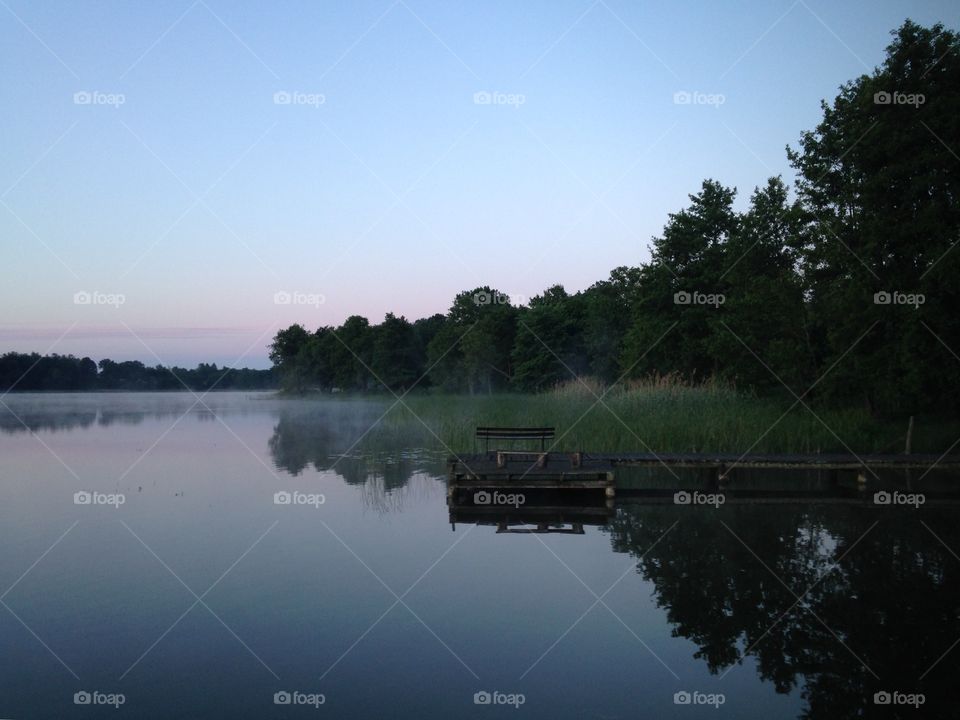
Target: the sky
(179, 180)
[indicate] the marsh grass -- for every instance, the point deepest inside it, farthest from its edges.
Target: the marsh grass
(660, 415)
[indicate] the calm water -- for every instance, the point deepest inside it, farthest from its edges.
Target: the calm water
(198, 596)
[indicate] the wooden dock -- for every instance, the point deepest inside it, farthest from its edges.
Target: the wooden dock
(540, 471)
(529, 472)
(832, 461)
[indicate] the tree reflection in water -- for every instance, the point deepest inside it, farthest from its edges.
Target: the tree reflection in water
(348, 438)
(837, 601)
(842, 601)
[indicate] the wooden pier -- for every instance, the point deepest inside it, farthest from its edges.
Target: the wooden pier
(833, 461)
(549, 471)
(551, 492)
(534, 471)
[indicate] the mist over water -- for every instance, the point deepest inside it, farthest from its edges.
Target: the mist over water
(362, 586)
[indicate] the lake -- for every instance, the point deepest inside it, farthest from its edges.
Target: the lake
(250, 556)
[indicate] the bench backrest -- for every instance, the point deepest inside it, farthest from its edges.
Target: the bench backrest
(515, 433)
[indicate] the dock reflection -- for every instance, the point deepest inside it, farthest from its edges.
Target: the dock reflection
(538, 513)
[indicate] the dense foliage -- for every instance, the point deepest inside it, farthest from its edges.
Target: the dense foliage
(22, 372)
(845, 288)
(843, 292)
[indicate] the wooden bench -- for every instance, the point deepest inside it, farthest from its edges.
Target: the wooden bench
(517, 433)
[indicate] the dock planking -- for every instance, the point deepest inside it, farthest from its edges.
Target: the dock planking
(577, 464)
(597, 471)
(812, 461)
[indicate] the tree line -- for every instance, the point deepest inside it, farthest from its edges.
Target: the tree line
(845, 291)
(32, 371)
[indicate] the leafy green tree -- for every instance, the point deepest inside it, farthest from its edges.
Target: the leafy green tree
(607, 316)
(394, 355)
(548, 349)
(425, 330)
(350, 354)
(679, 308)
(881, 194)
(767, 336)
(285, 353)
(472, 350)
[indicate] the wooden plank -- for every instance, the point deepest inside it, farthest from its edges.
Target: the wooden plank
(839, 461)
(731, 461)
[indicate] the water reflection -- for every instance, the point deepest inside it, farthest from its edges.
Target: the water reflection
(798, 580)
(57, 412)
(539, 514)
(847, 602)
(347, 438)
(837, 601)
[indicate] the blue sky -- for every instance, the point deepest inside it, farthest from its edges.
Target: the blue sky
(184, 162)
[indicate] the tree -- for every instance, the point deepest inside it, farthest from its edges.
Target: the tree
(607, 314)
(472, 350)
(881, 199)
(394, 356)
(349, 353)
(678, 314)
(285, 354)
(548, 349)
(767, 335)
